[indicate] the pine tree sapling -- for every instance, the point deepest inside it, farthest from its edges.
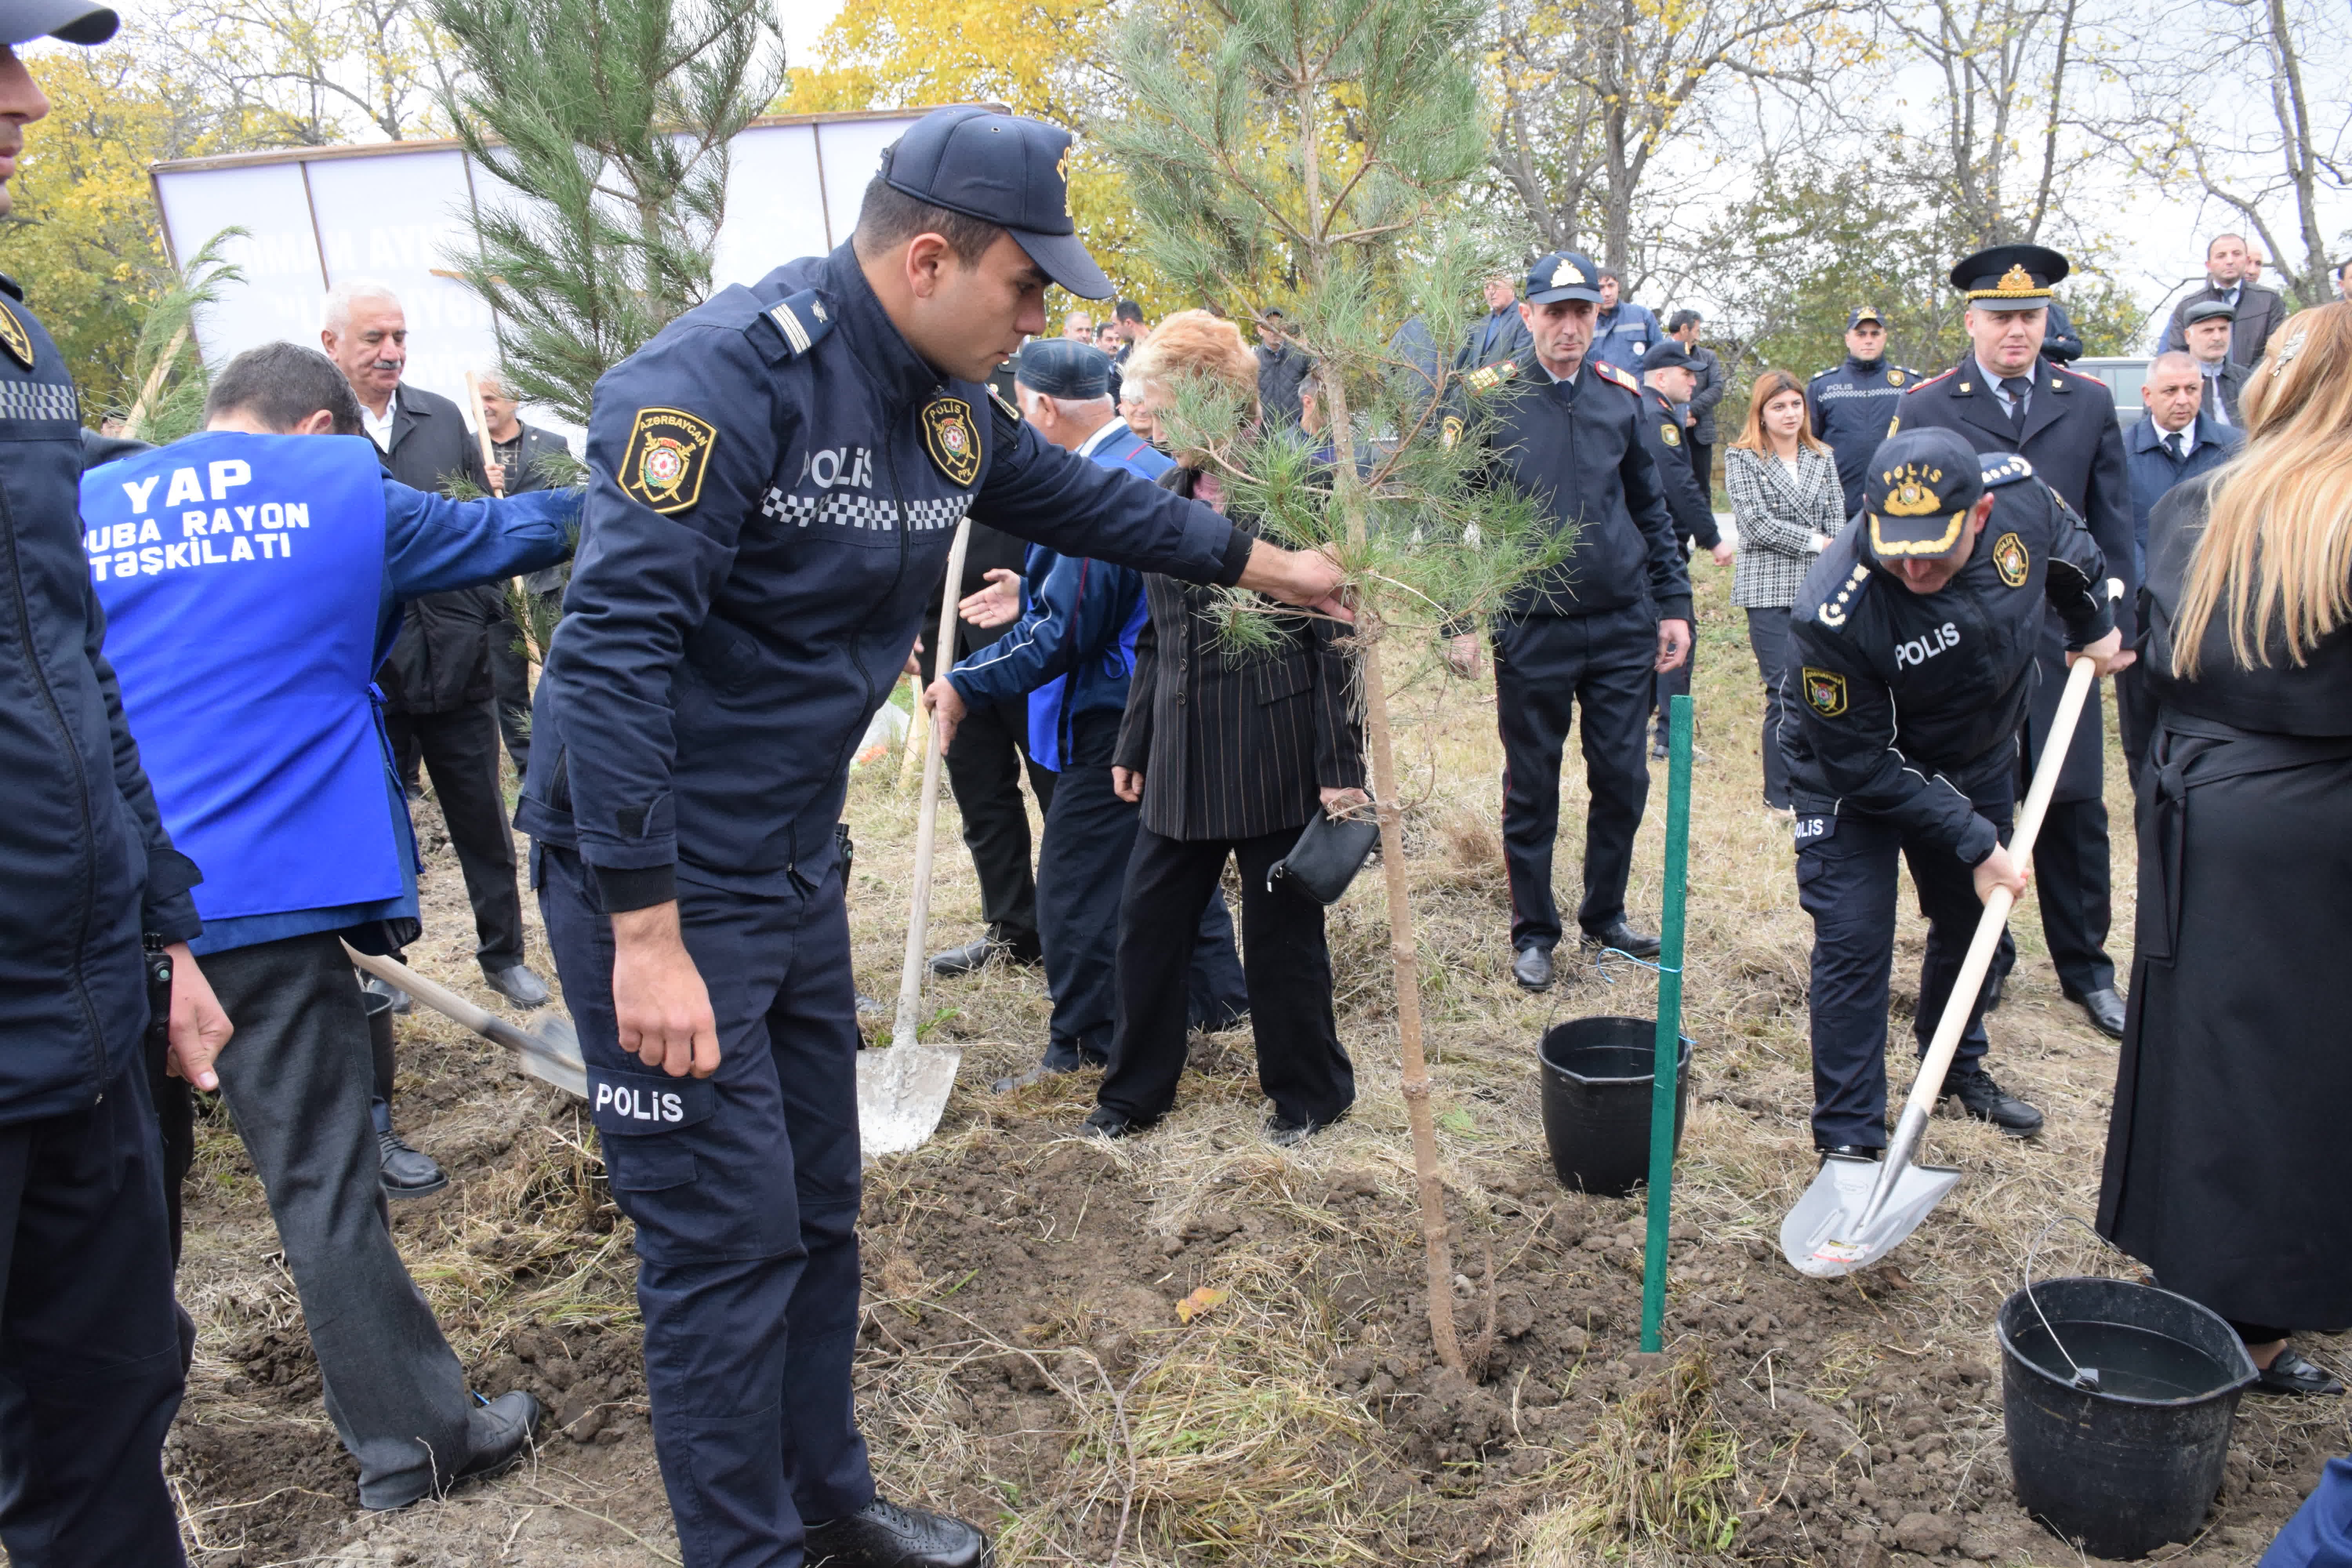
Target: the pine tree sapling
(1327, 143)
(171, 374)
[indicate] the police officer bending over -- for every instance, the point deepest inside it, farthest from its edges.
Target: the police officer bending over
(775, 481)
(1591, 632)
(1911, 660)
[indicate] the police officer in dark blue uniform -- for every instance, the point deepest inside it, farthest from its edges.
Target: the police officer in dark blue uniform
(91, 1357)
(1851, 406)
(1668, 379)
(1594, 629)
(774, 482)
(2003, 396)
(1911, 658)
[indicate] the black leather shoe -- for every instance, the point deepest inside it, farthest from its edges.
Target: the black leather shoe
(1102, 1122)
(2104, 1009)
(407, 1172)
(2292, 1373)
(1850, 1152)
(1986, 1100)
(884, 1535)
(519, 985)
(970, 959)
(1624, 939)
(401, 1005)
(500, 1431)
(1285, 1133)
(1531, 967)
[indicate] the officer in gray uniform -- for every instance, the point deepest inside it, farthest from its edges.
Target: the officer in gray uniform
(775, 483)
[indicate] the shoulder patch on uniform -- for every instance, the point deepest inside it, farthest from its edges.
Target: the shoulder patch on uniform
(2004, 469)
(1669, 434)
(951, 439)
(1611, 372)
(1894, 378)
(667, 453)
(14, 338)
(803, 318)
(1824, 690)
(2011, 559)
(1487, 378)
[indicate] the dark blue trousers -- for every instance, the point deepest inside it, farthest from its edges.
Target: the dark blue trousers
(1546, 667)
(90, 1341)
(746, 1211)
(1081, 872)
(1845, 881)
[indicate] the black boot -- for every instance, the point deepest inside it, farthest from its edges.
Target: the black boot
(884, 1535)
(1986, 1100)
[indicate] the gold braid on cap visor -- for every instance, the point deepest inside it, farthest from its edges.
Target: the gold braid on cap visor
(2015, 284)
(1917, 546)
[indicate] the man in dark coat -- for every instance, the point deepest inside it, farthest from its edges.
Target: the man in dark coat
(2005, 397)
(1709, 383)
(517, 452)
(2256, 312)
(1280, 368)
(1668, 380)
(2206, 324)
(1499, 335)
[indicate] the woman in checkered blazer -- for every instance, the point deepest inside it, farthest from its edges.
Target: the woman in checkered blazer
(1788, 505)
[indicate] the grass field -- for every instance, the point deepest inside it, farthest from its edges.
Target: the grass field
(1023, 1357)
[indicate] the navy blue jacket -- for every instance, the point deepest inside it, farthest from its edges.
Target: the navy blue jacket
(2154, 469)
(775, 483)
(1850, 408)
(2076, 448)
(1581, 459)
(2060, 341)
(1072, 648)
(1663, 434)
(85, 863)
(1902, 705)
(1622, 333)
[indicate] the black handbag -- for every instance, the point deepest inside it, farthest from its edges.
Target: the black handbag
(1328, 854)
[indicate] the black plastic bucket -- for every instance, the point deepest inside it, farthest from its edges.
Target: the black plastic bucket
(2136, 1463)
(1596, 1074)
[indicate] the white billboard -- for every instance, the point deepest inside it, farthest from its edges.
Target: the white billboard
(402, 213)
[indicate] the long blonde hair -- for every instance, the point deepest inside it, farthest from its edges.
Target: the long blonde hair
(2278, 538)
(1768, 386)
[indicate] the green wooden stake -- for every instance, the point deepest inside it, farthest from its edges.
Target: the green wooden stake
(1668, 1055)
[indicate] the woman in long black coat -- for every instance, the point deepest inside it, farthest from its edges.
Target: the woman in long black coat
(2228, 1160)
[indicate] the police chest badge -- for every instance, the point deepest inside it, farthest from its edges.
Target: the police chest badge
(1670, 435)
(1894, 378)
(14, 338)
(2010, 558)
(952, 439)
(1824, 691)
(667, 453)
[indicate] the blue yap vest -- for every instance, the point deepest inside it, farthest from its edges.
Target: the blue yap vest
(242, 578)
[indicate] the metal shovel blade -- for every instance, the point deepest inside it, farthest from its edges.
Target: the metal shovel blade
(902, 1091)
(1825, 1236)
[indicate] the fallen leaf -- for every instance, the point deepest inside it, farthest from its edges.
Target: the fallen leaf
(1198, 1302)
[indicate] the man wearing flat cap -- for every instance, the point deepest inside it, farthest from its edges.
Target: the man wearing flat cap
(774, 482)
(2004, 396)
(2206, 325)
(1911, 659)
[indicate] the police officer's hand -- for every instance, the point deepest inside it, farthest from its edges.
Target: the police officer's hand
(996, 605)
(1307, 578)
(659, 999)
(2107, 655)
(1462, 654)
(1724, 550)
(198, 1028)
(945, 705)
(1127, 784)
(1674, 645)
(2000, 870)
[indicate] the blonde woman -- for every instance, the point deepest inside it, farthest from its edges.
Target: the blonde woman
(1788, 504)
(2227, 1163)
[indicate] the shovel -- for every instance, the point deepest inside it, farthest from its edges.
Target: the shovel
(1857, 1211)
(549, 1050)
(903, 1088)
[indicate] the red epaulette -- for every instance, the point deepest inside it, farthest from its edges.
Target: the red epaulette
(1611, 372)
(1929, 382)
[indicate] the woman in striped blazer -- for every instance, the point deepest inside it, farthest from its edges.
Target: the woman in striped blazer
(1231, 752)
(1788, 505)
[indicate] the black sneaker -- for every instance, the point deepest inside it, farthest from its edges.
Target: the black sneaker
(1986, 1100)
(884, 1535)
(407, 1172)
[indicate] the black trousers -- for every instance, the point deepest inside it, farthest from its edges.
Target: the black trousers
(459, 750)
(984, 768)
(2071, 883)
(2135, 717)
(1846, 881)
(1546, 667)
(1768, 638)
(1702, 457)
(1300, 1064)
(1081, 873)
(90, 1339)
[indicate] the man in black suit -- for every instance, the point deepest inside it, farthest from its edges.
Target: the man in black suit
(516, 452)
(2005, 397)
(436, 681)
(2256, 312)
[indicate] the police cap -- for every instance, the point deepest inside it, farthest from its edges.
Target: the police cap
(75, 21)
(1062, 367)
(1865, 313)
(1918, 493)
(1003, 170)
(2207, 310)
(1666, 353)
(1563, 275)
(2010, 276)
